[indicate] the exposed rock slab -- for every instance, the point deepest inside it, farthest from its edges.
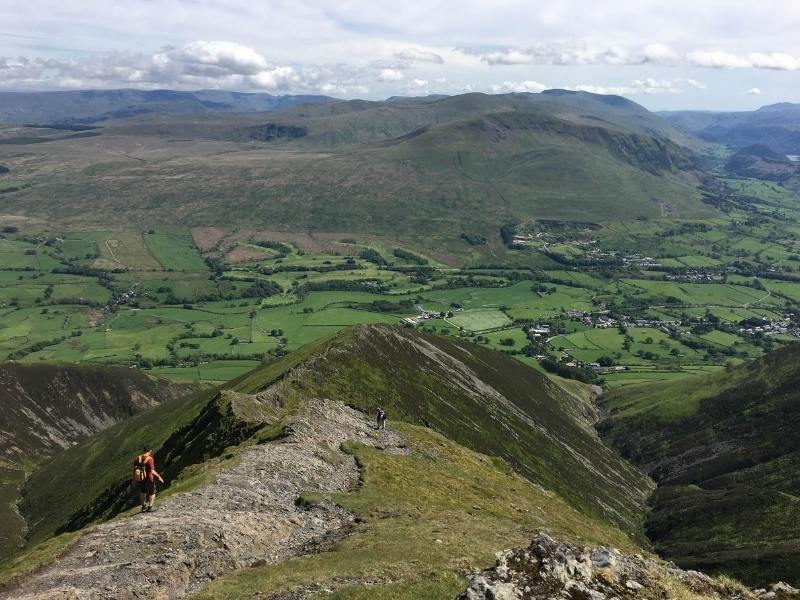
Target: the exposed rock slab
(550, 570)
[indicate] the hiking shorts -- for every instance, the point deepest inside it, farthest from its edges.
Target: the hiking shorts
(147, 487)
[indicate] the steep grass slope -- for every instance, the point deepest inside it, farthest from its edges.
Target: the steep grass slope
(47, 408)
(725, 452)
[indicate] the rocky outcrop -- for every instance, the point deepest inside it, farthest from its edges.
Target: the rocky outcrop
(552, 570)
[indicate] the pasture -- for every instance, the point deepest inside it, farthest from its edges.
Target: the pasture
(480, 320)
(175, 251)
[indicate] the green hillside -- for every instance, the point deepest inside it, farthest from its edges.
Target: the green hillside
(426, 168)
(725, 454)
(477, 397)
(47, 408)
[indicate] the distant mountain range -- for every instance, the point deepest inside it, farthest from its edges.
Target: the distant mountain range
(776, 125)
(95, 106)
(409, 166)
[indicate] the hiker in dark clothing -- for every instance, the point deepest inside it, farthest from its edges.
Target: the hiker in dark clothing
(144, 477)
(381, 419)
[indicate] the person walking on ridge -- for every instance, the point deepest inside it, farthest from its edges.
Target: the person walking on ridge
(381, 418)
(144, 476)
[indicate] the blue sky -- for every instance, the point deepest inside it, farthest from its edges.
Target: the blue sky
(709, 54)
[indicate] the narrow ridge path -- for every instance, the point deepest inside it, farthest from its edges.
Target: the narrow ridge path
(248, 515)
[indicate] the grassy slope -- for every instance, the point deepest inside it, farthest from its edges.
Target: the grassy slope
(725, 452)
(489, 402)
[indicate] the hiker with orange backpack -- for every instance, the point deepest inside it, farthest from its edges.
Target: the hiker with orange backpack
(144, 477)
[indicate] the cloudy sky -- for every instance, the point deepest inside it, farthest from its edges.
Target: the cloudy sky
(714, 54)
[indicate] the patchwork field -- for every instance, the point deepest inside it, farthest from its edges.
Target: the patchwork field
(654, 299)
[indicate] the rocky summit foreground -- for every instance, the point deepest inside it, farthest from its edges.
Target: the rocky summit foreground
(550, 570)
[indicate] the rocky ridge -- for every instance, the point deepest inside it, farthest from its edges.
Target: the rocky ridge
(248, 515)
(551, 570)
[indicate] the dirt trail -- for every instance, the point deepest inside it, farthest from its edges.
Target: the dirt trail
(247, 515)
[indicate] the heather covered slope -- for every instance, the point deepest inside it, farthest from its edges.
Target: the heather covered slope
(47, 408)
(725, 453)
(416, 168)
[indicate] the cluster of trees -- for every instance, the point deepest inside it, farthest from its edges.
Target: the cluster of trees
(373, 256)
(410, 256)
(41, 345)
(507, 233)
(280, 247)
(348, 265)
(540, 288)
(474, 239)
(341, 285)
(578, 373)
(387, 306)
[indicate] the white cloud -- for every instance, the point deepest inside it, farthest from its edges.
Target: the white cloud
(390, 75)
(697, 84)
(205, 57)
(420, 82)
(640, 86)
(199, 64)
(419, 55)
(530, 86)
(507, 57)
(754, 92)
(717, 59)
(659, 53)
(579, 53)
(775, 60)
(586, 54)
(275, 79)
